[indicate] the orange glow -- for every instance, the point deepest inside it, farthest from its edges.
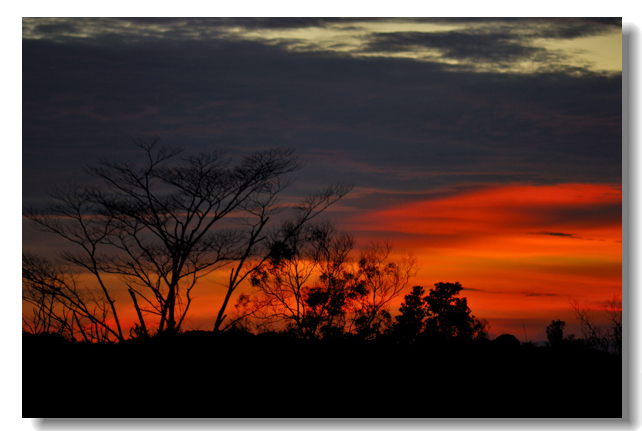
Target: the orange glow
(524, 252)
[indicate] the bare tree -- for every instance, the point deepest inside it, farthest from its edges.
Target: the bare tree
(606, 338)
(72, 215)
(62, 304)
(613, 309)
(383, 280)
(164, 223)
(261, 245)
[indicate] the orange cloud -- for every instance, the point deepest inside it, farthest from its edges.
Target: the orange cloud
(524, 251)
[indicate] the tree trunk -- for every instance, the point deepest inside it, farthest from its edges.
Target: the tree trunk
(221, 316)
(171, 302)
(140, 315)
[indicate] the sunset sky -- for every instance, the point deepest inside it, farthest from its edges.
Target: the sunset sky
(489, 148)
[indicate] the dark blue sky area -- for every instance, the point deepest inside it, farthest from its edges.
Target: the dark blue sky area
(396, 127)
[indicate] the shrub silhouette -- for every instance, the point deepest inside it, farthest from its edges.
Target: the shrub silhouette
(507, 341)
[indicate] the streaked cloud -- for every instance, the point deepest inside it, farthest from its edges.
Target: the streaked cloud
(526, 45)
(506, 210)
(567, 235)
(492, 47)
(538, 294)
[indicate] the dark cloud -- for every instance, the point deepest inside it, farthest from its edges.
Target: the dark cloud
(538, 294)
(566, 27)
(567, 235)
(455, 44)
(57, 28)
(205, 25)
(472, 289)
(571, 28)
(287, 23)
(502, 40)
(393, 124)
(143, 30)
(578, 216)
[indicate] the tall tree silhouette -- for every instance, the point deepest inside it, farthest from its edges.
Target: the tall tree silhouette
(555, 332)
(448, 316)
(163, 223)
(410, 321)
(440, 315)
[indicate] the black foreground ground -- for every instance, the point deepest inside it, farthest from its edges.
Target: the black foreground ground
(203, 375)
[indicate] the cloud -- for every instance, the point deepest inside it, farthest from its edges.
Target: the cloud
(54, 28)
(287, 23)
(386, 123)
(503, 214)
(480, 45)
(531, 294)
(145, 29)
(574, 27)
(568, 235)
(472, 289)
(455, 44)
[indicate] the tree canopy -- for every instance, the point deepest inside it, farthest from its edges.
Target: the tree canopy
(161, 223)
(440, 315)
(315, 288)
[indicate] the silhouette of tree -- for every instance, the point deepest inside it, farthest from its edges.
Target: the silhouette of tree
(382, 281)
(165, 222)
(260, 250)
(74, 216)
(438, 316)
(282, 290)
(599, 336)
(61, 304)
(614, 311)
(555, 332)
(410, 321)
(448, 317)
(312, 285)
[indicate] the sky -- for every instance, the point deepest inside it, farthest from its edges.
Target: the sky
(490, 148)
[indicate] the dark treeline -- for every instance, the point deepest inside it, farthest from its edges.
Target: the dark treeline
(237, 374)
(428, 364)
